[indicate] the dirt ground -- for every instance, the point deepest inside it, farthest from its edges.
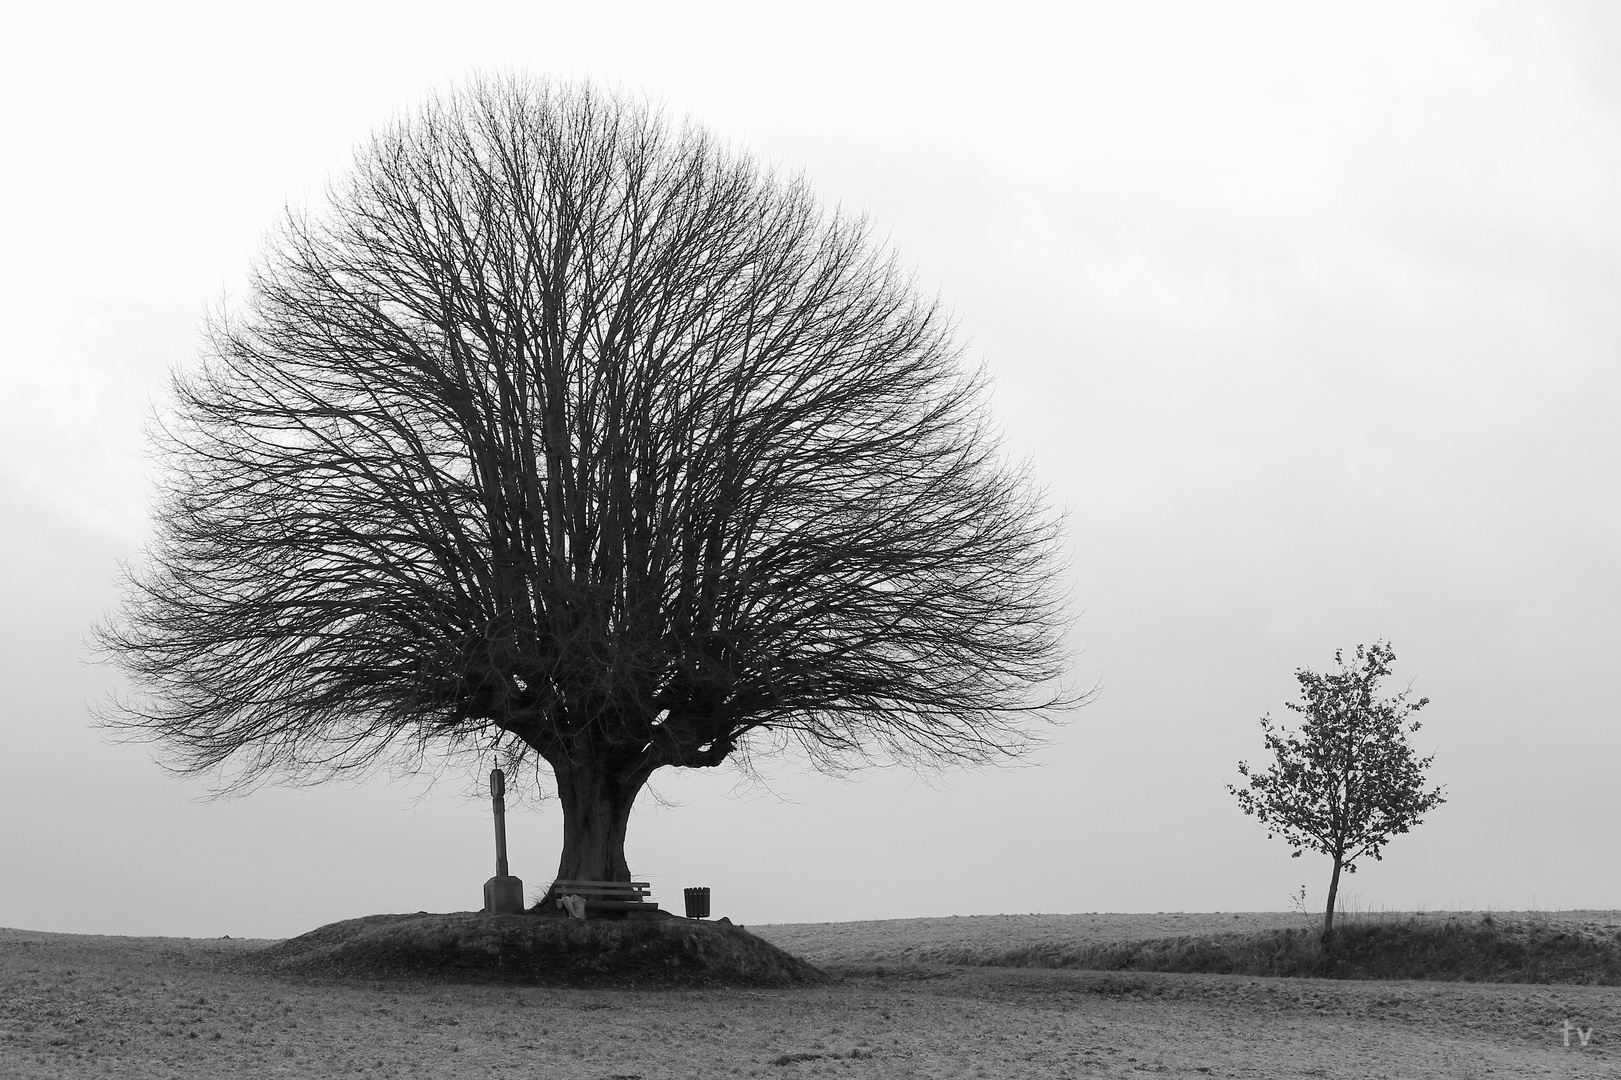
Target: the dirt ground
(82, 1006)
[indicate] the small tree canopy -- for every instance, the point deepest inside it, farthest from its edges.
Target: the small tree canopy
(568, 431)
(1348, 781)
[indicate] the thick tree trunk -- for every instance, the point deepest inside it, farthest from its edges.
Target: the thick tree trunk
(596, 810)
(1333, 892)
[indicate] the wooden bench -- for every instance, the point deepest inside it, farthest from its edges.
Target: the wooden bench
(608, 895)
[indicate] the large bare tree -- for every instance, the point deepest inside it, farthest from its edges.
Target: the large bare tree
(563, 431)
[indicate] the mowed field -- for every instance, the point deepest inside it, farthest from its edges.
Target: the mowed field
(84, 1006)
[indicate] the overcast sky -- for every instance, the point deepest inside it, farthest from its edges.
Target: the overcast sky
(1310, 315)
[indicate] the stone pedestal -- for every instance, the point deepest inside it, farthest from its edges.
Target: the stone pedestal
(503, 895)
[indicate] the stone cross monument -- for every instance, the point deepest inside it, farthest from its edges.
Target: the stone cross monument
(503, 893)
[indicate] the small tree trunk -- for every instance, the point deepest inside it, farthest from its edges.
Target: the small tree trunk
(596, 810)
(1333, 893)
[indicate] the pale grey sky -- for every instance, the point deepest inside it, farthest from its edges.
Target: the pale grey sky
(1307, 314)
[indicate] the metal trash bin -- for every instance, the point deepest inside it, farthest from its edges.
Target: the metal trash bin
(697, 902)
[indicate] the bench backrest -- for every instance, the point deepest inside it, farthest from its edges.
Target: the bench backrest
(603, 889)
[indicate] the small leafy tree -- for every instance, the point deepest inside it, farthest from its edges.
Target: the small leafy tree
(1348, 780)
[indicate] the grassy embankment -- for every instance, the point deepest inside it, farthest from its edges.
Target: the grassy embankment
(1487, 948)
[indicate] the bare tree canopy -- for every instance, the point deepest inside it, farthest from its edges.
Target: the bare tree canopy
(1347, 782)
(566, 430)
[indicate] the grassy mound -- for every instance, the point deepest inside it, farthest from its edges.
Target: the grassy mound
(1490, 950)
(538, 950)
